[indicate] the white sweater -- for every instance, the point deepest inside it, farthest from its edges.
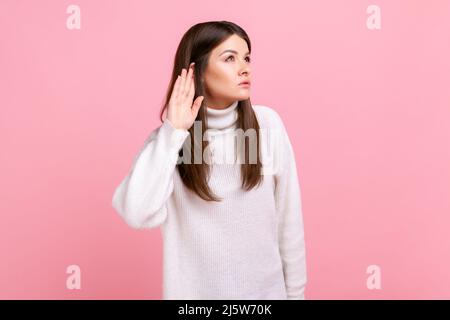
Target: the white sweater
(248, 246)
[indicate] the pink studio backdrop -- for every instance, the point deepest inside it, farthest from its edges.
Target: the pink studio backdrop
(368, 112)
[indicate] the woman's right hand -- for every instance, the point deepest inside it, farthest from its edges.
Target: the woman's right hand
(182, 111)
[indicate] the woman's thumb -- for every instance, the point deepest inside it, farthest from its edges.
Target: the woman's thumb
(197, 104)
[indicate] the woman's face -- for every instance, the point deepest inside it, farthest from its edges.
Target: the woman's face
(228, 66)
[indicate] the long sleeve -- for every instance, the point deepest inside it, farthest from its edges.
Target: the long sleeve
(290, 227)
(140, 199)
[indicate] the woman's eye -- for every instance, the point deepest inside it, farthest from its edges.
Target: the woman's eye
(247, 58)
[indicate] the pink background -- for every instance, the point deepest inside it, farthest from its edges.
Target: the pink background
(368, 112)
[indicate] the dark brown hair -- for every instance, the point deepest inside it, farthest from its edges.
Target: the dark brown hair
(196, 46)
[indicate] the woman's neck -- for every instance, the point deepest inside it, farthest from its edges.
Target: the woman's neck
(224, 118)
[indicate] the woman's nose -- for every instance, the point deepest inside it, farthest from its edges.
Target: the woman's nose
(245, 69)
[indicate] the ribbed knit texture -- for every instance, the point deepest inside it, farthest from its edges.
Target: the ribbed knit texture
(248, 246)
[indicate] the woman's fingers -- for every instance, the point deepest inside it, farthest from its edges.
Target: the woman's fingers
(191, 90)
(183, 88)
(175, 90)
(189, 78)
(196, 106)
(183, 82)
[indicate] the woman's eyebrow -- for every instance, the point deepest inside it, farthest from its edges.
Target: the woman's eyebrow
(233, 51)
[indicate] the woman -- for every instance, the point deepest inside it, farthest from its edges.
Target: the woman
(231, 230)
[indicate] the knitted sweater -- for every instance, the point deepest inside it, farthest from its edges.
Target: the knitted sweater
(248, 246)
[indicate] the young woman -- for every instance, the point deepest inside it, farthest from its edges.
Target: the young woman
(232, 227)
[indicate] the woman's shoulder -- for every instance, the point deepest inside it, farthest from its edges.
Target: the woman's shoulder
(267, 116)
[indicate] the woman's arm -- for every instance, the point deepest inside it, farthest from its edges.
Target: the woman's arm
(141, 196)
(290, 227)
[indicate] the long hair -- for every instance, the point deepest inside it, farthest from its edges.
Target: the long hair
(196, 46)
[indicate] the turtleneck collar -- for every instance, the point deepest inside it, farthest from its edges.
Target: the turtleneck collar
(220, 119)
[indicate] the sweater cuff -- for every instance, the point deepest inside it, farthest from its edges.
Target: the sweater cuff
(174, 136)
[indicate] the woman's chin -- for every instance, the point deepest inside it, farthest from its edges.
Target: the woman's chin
(243, 96)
